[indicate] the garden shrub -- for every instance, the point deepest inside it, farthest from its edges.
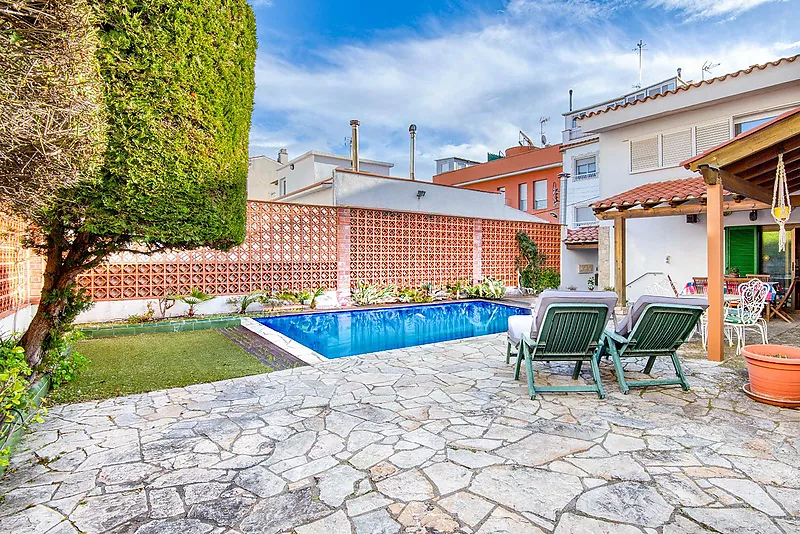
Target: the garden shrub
(15, 399)
(530, 264)
(178, 82)
(62, 360)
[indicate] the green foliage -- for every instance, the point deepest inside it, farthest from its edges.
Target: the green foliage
(315, 295)
(146, 317)
(368, 294)
(15, 399)
(194, 298)
(548, 278)
(177, 95)
(62, 361)
(242, 303)
(529, 262)
(608, 288)
(458, 288)
(410, 294)
(489, 288)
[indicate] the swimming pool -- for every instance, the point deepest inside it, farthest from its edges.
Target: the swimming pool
(346, 333)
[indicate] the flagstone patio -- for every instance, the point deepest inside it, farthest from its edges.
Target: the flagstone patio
(431, 439)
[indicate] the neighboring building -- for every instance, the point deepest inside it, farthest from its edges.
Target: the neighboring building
(453, 164)
(362, 189)
(638, 154)
(527, 177)
(262, 179)
(268, 179)
(580, 186)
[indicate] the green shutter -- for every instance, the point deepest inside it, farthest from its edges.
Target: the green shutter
(741, 249)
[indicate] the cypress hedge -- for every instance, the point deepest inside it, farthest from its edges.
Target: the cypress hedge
(178, 79)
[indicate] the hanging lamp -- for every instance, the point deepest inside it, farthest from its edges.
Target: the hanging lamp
(781, 205)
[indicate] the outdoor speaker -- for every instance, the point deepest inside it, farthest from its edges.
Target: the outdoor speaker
(691, 218)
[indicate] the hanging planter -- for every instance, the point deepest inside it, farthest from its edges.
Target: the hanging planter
(781, 205)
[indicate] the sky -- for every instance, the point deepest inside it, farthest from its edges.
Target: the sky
(471, 74)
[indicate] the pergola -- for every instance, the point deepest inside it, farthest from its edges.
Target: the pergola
(737, 175)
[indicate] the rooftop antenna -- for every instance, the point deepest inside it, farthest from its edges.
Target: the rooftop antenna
(707, 66)
(640, 47)
(524, 140)
(542, 122)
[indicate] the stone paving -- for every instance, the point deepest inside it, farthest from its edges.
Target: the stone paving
(431, 439)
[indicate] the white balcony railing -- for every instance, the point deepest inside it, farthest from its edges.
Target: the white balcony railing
(585, 176)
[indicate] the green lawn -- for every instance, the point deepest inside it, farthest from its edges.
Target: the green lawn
(148, 362)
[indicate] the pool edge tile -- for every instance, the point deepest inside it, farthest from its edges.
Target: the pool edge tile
(291, 346)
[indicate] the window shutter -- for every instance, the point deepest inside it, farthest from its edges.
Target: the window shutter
(676, 147)
(710, 135)
(741, 249)
(644, 154)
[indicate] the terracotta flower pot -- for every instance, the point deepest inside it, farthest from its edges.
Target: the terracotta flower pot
(770, 376)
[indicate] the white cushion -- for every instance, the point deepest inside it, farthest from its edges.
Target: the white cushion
(518, 325)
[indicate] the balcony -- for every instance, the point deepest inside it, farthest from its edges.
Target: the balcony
(585, 176)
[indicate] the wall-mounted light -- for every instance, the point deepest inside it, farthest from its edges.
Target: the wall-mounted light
(754, 215)
(420, 194)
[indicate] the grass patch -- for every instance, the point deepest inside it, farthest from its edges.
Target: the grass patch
(148, 362)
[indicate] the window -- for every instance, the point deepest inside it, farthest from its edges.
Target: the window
(644, 154)
(540, 195)
(282, 187)
(444, 166)
(523, 197)
(743, 125)
(676, 147)
(585, 168)
(460, 165)
(710, 135)
(584, 215)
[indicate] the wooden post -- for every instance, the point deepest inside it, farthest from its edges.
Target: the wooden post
(619, 261)
(716, 264)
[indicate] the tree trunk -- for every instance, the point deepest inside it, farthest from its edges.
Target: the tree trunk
(57, 279)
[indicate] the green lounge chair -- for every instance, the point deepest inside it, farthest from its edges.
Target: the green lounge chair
(567, 326)
(656, 326)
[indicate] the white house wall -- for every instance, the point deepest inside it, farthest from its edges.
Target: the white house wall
(651, 240)
(260, 175)
(571, 259)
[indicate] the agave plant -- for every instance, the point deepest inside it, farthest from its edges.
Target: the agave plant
(194, 298)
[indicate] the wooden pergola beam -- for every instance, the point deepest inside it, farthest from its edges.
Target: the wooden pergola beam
(789, 146)
(684, 209)
(734, 184)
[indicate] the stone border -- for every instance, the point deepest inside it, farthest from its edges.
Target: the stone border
(301, 352)
(186, 325)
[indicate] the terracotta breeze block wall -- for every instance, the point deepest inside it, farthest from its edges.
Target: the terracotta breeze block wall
(293, 247)
(20, 269)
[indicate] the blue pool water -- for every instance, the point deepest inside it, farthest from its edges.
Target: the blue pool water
(345, 333)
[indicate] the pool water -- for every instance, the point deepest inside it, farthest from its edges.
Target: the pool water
(345, 333)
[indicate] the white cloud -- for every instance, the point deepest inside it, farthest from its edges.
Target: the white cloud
(709, 9)
(468, 92)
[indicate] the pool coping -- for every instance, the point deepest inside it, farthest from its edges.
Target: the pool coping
(312, 357)
(299, 351)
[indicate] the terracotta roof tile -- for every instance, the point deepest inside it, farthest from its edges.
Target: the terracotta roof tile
(686, 87)
(657, 193)
(584, 234)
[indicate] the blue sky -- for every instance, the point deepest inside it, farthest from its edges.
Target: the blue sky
(470, 74)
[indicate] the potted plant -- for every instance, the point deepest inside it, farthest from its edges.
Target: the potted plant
(774, 372)
(590, 283)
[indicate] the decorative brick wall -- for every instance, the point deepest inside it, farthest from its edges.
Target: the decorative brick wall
(20, 269)
(499, 246)
(293, 247)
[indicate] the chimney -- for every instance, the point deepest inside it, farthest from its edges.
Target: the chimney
(283, 156)
(354, 144)
(570, 99)
(412, 130)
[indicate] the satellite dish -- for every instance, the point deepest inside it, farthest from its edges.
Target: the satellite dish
(544, 140)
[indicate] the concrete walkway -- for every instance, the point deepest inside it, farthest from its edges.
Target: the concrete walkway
(432, 439)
